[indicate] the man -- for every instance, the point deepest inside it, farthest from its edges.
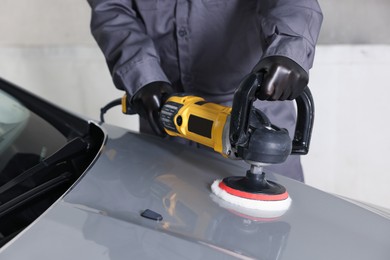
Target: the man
(206, 47)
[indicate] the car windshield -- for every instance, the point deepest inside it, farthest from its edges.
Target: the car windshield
(25, 138)
(43, 151)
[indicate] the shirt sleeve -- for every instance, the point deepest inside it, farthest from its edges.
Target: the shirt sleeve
(130, 53)
(291, 29)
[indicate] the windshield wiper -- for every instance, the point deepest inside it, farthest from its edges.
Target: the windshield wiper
(33, 193)
(71, 149)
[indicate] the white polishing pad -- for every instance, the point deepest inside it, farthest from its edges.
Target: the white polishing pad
(256, 208)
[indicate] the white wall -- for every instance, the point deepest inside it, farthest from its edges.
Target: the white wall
(44, 22)
(355, 21)
(46, 48)
(350, 150)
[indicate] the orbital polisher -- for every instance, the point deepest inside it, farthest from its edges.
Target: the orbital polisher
(242, 132)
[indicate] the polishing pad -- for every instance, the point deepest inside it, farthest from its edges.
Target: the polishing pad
(252, 203)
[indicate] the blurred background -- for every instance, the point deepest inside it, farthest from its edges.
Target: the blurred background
(46, 47)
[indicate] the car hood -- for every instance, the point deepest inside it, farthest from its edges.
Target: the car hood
(99, 217)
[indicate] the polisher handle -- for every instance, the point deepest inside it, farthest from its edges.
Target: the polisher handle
(242, 105)
(305, 121)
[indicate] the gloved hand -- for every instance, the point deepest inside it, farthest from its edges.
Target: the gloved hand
(283, 78)
(148, 101)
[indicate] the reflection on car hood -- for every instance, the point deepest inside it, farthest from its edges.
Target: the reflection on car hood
(99, 218)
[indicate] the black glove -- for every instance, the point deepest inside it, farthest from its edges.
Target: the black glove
(147, 102)
(283, 78)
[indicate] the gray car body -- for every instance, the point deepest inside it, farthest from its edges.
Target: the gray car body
(99, 217)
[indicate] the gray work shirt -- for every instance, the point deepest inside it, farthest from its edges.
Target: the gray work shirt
(206, 47)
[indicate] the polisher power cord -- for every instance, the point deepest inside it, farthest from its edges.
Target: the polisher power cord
(107, 107)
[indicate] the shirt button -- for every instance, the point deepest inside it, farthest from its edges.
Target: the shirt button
(182, 32)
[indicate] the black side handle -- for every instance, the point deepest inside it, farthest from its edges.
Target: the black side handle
(305, 121)
(242, 106)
